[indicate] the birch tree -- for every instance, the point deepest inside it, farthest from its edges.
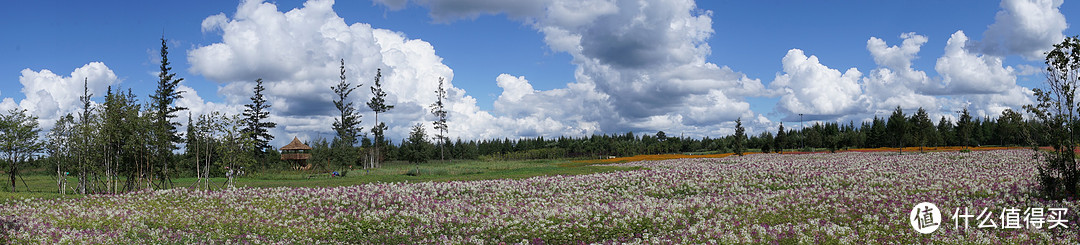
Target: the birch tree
(18, 140)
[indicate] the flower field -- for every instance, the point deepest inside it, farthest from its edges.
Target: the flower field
(850, 197)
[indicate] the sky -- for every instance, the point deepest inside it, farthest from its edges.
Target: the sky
(541, 67)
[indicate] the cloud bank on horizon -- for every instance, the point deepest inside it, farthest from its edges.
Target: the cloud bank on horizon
(640, 66)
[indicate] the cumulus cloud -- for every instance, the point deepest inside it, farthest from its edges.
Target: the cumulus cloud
(50, 96)
(817, 91)
(298, 54)
(895, 82)
(1024, 27)
(644, 61)
(965, 72)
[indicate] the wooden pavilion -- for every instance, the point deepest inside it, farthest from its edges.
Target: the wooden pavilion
(297, 153)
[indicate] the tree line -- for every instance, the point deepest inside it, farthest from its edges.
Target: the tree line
(898, 130)
(124, 144)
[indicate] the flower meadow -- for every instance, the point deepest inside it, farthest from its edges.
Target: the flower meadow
(850, 197)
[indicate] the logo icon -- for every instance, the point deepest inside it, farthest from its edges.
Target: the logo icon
(925, 218)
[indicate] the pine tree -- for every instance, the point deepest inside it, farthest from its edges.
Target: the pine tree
(164, 110)
(897, 128)
(781, 139)
(740, 136)
(255, 120)
(378, 105)
(439, 110)
(415, 147)
(922, 129)
(347, 125)
(964, 128)
(84, 133)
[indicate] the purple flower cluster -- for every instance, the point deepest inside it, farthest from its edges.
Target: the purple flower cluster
(813, 198)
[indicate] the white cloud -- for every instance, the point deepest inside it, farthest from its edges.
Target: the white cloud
(1026, 28)
(50, 96)
(644, 60)
(895, 82)
(298, 53)
(964, 72)
(816, 90)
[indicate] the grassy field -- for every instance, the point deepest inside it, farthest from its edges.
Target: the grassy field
(41, 185)
(841, 198)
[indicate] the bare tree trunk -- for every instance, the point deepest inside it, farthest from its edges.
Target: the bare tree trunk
(11, 174)
(198, 171)
(59, 180)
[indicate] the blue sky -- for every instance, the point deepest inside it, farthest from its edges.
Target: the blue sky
(513, 78)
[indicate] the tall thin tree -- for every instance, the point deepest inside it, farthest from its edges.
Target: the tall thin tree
(439, 110)
(347, 125)
(378, 105)
(164, 109)
(740, 137)
(256, 121)
(84, 133)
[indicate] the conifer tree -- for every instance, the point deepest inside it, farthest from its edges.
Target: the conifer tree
(439, 110)
(347, 125)
(740, 136)
(164, 109)
(378, 105)
(256, 123)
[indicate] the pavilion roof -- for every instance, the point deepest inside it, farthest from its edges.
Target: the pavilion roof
(295, 145)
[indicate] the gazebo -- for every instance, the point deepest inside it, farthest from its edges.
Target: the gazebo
(296, 153)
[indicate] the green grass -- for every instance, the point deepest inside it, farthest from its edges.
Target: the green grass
(44, 186)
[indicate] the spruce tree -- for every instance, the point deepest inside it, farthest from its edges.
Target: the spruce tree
(740, 136)
(164, 109)
(84, 133)
(781, 139)
(255, 120)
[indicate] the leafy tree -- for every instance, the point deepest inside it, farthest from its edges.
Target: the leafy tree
(1056, 114)
(348, 125)
(740, 136)
(163, 101)
(18, 140)
(235, 148)
(1009, 128)
(439, 110)
(255, 120)
(61, 148)
(378, 105)
(766, 142)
